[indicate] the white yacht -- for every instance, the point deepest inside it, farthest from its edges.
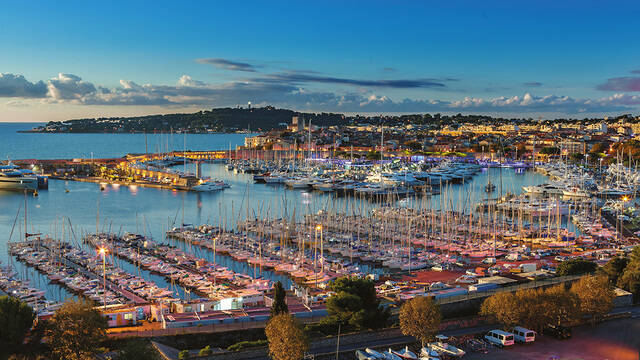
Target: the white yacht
(544, 189)
(210, 185)
(13, 179)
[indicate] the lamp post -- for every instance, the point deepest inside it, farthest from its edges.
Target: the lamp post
(315, 253)
(103, 252)
(319, 228)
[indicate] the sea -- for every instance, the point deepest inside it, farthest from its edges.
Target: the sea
(83, 207)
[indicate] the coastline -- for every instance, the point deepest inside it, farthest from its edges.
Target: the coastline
(33, 131)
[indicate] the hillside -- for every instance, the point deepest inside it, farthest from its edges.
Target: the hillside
(215, 120)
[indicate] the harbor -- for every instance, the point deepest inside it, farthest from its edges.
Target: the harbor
(449, 236)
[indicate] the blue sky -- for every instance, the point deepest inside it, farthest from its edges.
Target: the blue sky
(69, 59)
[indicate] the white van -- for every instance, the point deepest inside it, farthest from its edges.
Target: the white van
(523, 335)
(499, 338)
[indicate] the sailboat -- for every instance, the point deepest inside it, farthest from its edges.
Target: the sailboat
(490, 187)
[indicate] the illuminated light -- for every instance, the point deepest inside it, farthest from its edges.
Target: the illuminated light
(625, 198)
(319, 227)
(102, 251)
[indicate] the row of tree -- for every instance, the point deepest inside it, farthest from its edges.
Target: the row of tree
(625, 272)
(591, 296)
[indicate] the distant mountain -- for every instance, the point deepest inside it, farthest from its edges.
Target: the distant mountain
(215, 120)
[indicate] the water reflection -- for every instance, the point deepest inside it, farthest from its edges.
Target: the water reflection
(152, 211)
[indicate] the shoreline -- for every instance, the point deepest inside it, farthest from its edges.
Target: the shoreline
(132, 132)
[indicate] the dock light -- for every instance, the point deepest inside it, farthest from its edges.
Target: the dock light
(318, 227)
(102, 251)
(625, 198)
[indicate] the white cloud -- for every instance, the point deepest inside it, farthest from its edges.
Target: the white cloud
(69, 88)
(12, 85)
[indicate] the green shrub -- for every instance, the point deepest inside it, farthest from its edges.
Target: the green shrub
(205, 351)
(246, 344)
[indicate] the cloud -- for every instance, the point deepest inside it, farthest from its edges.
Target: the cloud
(12, 85)
(186, 80)
(68, 87)
(635, 71)
(388, 69)
(17, 103)
(625, 83)
(288, 90)
(300, 78)
(622, 99)
(228, 64)
(532, 84)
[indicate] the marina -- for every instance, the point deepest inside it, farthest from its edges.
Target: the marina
(305, 181)
(342, 222)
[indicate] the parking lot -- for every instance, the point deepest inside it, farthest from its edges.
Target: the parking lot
(612, 340)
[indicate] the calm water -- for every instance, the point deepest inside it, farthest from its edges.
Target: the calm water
(67, 146)
(153, 211)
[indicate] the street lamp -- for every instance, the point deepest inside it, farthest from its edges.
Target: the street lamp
(319, 228)
(103, 252)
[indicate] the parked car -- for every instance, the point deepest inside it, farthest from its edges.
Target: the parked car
(557, 331)
(500, 338)
(523, 335)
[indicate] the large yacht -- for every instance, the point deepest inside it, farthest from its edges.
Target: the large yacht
(13, 179)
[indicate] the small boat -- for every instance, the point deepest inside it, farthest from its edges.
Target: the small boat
(406, 353)
(443, 348)
(374, 354)
(490, 187)
(361, 355)
(428, 354)
(390, 355)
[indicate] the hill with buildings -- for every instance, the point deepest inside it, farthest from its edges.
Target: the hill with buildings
(206, 121)
(268, 118)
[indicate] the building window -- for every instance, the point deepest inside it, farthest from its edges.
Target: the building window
(128, 316)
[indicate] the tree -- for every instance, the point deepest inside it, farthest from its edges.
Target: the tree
(503, 307)
(286, 340)
(16, 319)
(576, 157)
(355, 304)
(595, 296)
(614, 268)
(599, 147)
(373, 155)
(413, 145)
(26, 357)
(630, 278)
(76, 331)
(560, 306)
(184, 354)
(420, 317)
(279, 300)
(137, 350)
(575, 267)
(529, 308)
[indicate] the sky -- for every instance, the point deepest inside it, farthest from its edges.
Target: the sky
(543, 59)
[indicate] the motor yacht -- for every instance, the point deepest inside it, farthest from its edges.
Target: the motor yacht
(13, 179)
